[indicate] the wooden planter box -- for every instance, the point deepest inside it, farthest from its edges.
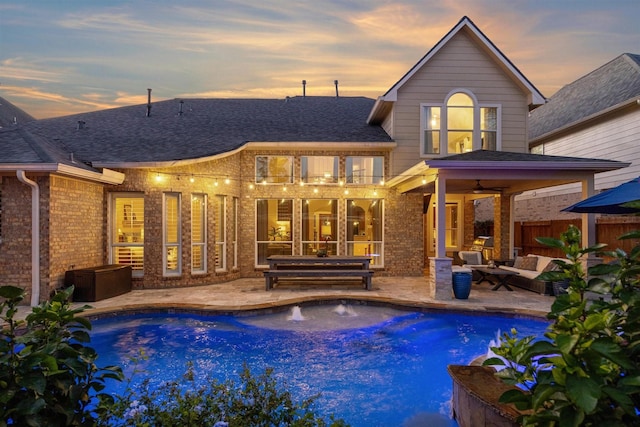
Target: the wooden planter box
(475, 400)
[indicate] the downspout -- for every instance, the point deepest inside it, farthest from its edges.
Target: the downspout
(35, 236)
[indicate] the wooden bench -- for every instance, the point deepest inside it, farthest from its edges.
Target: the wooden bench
(271, 276)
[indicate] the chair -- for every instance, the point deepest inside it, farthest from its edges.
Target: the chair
(472, 259)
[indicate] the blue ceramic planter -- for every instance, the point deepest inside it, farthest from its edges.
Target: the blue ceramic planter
(461, 285)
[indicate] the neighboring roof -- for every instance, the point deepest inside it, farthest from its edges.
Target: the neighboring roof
(616, 82)
(11, 115)
(207, 127)
(465, 24)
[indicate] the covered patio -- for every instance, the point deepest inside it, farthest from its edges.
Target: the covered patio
(501, 175)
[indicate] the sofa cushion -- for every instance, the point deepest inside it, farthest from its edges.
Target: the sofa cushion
(529, 274)
(526, 263)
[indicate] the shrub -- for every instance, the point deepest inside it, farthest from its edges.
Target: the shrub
(587, 371)
(48, 375)
(254, 401)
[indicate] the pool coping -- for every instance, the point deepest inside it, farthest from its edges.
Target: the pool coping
(283, 305)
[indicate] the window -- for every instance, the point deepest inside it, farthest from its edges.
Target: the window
(221, 234)
(489, 128)
(172, 248)
(234, 232)
(452, 220)
(365, 170)
(274, 169)
(274, 219)
(459, 123)
(198, 233)
(319, 170)
(431, 126)
(459, 126)
(127, 231)
(319, 226)
(364, 227)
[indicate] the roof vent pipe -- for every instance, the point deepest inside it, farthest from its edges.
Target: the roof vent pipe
(335, 82)
(180, 112)
(304, 88)
(81, 124)
(148, 102)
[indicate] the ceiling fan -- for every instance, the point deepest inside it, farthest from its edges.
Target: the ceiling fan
(479, 188)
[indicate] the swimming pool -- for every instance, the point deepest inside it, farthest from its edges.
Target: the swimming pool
(374, 366)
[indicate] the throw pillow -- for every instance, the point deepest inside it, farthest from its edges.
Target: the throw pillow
(526, 263)
(552, 266)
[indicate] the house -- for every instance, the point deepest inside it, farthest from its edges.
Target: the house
(598, 116)
(198, 191)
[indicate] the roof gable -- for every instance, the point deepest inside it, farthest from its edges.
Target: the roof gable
(465, 24)
(616, 82)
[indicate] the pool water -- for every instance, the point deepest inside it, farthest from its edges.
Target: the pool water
(374, 366)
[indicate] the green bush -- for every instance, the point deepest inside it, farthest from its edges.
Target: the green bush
(587, 371)
(48, 375)
(254, 401)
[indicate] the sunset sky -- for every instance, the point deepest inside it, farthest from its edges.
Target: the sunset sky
(69, 56)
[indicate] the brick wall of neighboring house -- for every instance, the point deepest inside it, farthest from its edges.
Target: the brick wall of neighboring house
(541, 208)
(75, 228)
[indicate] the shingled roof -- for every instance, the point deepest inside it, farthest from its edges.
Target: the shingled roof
(11, 115)
(19, 147)
(207, 127)
(612, 84)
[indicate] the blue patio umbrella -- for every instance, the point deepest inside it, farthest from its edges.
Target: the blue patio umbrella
(611, 201)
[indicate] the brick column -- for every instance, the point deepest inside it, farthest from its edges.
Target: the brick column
(440, 282)
(501, 221)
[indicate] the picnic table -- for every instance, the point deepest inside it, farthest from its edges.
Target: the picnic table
(305, 266)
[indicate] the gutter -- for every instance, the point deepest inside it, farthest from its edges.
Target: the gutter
(106, 176)
(35, 236)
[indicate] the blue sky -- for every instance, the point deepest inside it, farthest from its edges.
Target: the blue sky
(68, 56)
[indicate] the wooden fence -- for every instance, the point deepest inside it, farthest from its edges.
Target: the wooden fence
(608, 229)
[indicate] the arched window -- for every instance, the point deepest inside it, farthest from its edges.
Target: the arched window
(459, 123)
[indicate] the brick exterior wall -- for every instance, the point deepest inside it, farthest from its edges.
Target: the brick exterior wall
(15, 262)
(75, 218)
(75, 229)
